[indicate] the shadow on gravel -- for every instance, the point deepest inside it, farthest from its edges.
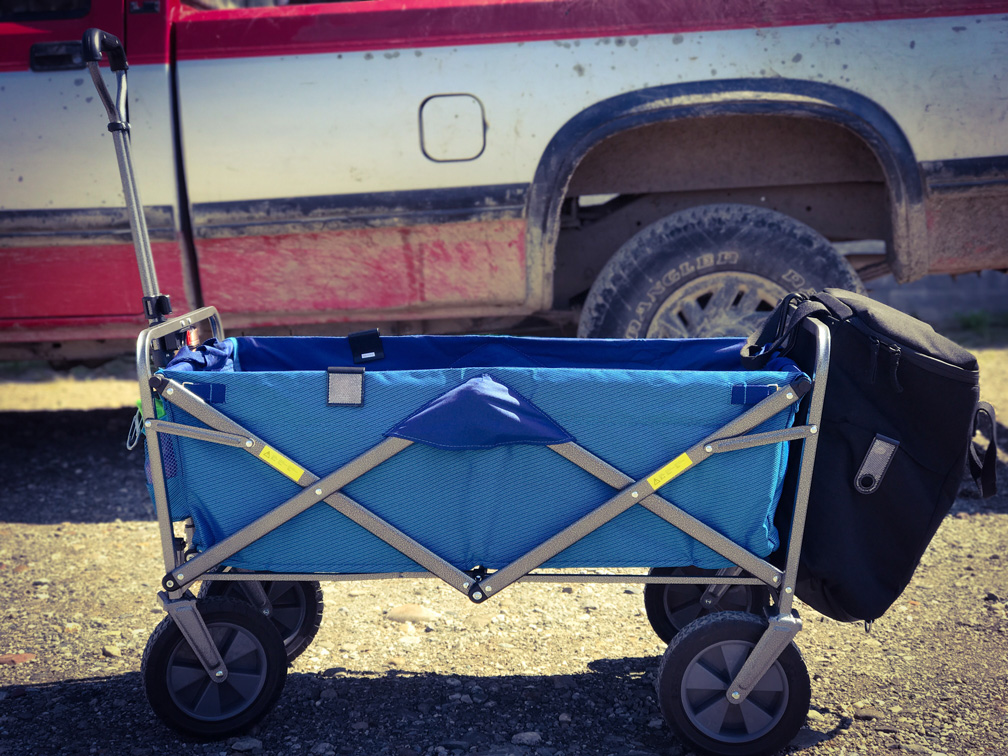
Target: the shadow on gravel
(609, 710)
(70, 466)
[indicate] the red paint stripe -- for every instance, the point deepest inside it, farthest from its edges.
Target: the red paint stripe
(16, 39)
(71, 329)
(147, 37)
(82, 282)
(386, 24)
(363, 271)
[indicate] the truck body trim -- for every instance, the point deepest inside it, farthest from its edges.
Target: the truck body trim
(387, 24)
(87, 225)
(369, 210)
(954, 176)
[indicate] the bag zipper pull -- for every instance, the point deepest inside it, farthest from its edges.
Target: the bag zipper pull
(895, 351)
(874, 359)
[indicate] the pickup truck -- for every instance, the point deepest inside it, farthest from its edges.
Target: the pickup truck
(631, 168)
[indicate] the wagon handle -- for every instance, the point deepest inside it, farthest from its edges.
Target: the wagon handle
(96, 41)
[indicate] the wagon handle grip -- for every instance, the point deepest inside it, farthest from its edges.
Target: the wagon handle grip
(96, 41)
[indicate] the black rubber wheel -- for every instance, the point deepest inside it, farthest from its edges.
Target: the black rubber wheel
(716, 270)
(297, 608)
(184, 696)
(693, 680)
(671, 607)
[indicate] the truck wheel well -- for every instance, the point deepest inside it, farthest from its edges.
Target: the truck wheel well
(816, 171)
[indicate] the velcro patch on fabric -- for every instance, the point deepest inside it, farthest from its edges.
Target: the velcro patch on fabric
(211, 393)
(876, 462)
(346, 386)
(743, 393)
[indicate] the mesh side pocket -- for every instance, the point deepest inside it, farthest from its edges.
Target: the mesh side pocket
(177, 505)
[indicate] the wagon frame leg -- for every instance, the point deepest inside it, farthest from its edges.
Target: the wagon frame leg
(714, 592)
(784, 626)
(185, 615)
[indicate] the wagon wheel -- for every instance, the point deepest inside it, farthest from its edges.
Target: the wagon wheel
(715, 270)
(296, 613)
(184, 696)
(693, 680)
(670, 607)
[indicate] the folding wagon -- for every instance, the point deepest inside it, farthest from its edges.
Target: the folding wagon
(482, 461)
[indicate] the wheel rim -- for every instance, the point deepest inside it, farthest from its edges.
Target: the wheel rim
(704, 687)
(682, 602)
(289, 606)
(727, 303)
(199, 697)
(289, 609)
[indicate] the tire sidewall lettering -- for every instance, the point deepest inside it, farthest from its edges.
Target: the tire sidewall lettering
(671, 279)
(792, 279)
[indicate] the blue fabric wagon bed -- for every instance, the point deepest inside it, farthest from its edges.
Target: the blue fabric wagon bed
(481, 484)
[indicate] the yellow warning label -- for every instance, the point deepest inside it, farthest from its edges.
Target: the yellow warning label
(279, 462)
(674, 468)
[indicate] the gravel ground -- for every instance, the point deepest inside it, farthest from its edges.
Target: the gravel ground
(542, 670)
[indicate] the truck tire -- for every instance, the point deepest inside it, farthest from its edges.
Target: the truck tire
(716, 270)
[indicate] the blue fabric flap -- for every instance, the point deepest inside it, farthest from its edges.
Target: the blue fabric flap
(211, 393)
(744, 393)
(480, 414)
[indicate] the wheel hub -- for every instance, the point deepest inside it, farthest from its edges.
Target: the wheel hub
(704, 695)
(726, 303)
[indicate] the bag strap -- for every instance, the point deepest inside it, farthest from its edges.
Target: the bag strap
(840, 310)
(777, 335)
(984, 470)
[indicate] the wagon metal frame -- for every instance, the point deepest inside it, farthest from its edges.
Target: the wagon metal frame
(181, 572)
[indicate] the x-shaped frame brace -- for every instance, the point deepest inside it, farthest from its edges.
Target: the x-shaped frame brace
(478, 588)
